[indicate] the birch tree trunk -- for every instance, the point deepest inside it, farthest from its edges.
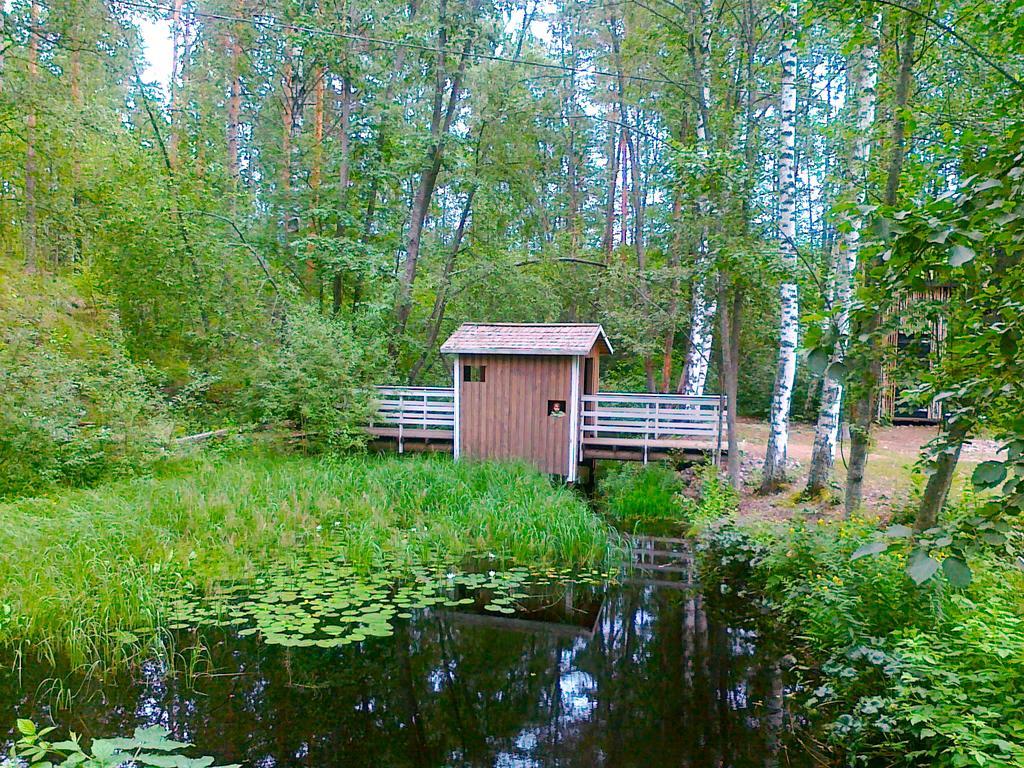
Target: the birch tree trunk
(774, 470)
(702, 304)
(864, 86)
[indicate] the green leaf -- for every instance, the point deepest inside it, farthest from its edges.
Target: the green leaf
(836, 371)
(26, 727)
(989, 474)
(957, 571)
(960, 255)
(899, 531)
(817, 360)
(922, 567)
(871, 548)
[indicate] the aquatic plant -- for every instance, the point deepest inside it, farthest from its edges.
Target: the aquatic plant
(634, 494)
(327, 603)
(86, 574)
(150, 746)
(651, 498)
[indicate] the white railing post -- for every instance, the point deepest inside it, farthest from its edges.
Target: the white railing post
(401, 423)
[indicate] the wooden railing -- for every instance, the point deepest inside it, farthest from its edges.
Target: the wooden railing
(414, 413)
(653, 422)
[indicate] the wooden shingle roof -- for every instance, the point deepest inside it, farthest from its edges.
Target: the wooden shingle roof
(526, 339)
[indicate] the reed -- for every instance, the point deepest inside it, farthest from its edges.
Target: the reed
(84, 575)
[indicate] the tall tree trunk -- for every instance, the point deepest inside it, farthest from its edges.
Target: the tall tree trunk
(441, 297)
(75, 73)
(864, 86)
(179, 45)
(702, 302)
(773, 474)
(941, 479)
(865, 409)
(344, 174)
(31, 255)
(382, 129)
(316, 171)
(3, 35)
(674, 261)
(612, 163)
(729, 317)
(440, 125)
(234, 96)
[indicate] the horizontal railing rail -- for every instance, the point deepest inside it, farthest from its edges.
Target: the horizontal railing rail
(413, 412)
(646, 422)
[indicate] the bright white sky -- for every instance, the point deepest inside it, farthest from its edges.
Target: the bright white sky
(156, 37)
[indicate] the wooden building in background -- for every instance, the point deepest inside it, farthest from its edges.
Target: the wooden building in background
(519, 391)
(912, 348)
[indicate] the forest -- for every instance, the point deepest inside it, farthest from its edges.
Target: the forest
(222, 222)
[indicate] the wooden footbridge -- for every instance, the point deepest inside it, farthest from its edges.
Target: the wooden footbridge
(531, 392)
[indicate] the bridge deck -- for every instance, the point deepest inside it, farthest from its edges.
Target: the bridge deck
(612, 425)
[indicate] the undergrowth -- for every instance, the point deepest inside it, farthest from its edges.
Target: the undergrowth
(654, 497)
(895, 673)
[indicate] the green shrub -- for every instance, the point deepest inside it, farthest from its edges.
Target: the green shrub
(901, 674)
(73, 420)
(318, 377)
(718, 500)
(635, 494)
(638, 496)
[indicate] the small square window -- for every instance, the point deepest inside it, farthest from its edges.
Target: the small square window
(556, 408)
(477, 373)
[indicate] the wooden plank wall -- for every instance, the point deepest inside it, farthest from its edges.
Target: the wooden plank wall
(506, 417)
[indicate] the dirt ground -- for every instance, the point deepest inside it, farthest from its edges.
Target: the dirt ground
(888, 482)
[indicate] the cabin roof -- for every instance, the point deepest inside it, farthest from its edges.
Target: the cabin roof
(526, 339)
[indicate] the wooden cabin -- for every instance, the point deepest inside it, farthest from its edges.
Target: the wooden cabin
(531, 392)
(519, 390)
(911, 348)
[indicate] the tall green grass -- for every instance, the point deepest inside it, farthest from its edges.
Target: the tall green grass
(82, 571)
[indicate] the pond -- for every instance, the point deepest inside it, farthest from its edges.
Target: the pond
(541, 669)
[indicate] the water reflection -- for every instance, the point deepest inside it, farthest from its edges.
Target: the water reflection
(655, 678)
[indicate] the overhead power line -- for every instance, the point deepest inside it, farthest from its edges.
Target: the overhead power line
(289, 27)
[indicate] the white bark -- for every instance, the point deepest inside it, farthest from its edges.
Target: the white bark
(703, 308)
(702, 304)
(864, 82)
(778, 436)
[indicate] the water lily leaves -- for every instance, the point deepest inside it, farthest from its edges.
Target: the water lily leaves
(328, 604)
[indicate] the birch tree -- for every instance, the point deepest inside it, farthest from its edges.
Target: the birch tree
(863, 85)
(774, 471)
(702, 304)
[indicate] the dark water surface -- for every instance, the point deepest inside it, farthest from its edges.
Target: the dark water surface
(646, 672)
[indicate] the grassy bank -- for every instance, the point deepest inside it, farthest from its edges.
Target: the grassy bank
(896, 673)
(80, 569)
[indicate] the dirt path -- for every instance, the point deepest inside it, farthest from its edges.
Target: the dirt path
(888, 483)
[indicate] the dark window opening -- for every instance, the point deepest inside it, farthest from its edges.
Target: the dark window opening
(476, 373)
(556, 408)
